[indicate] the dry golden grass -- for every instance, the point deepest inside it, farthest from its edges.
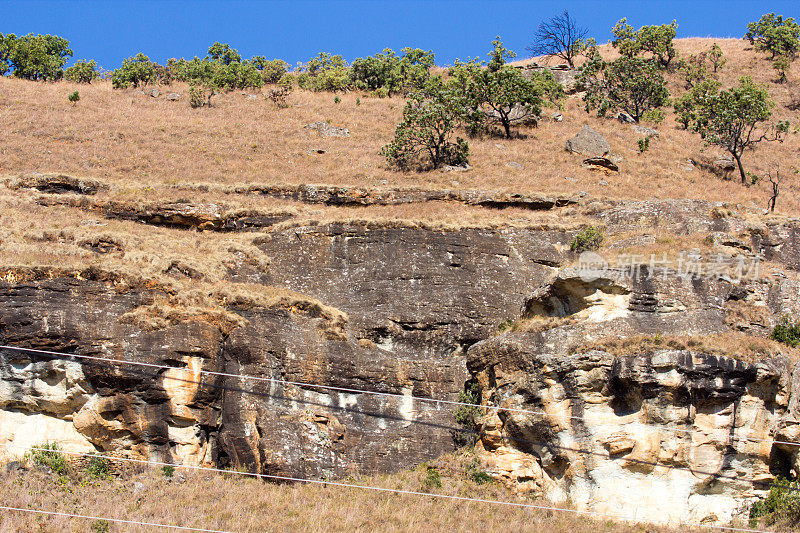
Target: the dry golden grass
(142, 143)
(729, 344)
(235, 503)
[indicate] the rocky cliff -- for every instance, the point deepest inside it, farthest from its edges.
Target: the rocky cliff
(685, 430)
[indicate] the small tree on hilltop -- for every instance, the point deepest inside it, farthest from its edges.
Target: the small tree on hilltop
(223, 53)
(135, 71)
(34, 57)
(82, 72)
(423, 138)
(501, 94)
(731, 119)
(560, 37)
(774, 34)
(630, 84)
(656, 40)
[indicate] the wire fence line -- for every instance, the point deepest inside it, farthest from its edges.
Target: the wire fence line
(108, 519)
(103, 362)
(764, 485)
(276, 477)
(436, 401)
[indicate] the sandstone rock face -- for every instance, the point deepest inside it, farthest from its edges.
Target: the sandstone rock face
(416, 312)
(669, 436)
(588, 142)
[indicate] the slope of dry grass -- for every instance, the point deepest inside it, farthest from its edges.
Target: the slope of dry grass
(236, 503)
(141, 143)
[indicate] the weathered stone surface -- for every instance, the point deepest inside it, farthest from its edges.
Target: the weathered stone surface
(588, 142)
(469, 280)
(625, 118)
(212, 217)
(603, 164)
(645, 131)
(722, 166)
(359, 196)
(183, 415)
(684, 435)
(174, 97)
(564, 76)
(327, 130)
(418, 311)
(58, 184)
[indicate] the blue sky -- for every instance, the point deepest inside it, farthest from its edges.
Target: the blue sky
(109, 31)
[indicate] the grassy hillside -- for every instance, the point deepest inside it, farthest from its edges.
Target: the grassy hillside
(139, 143)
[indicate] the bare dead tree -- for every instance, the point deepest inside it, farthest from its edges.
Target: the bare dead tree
(559, 37)
(776, 182)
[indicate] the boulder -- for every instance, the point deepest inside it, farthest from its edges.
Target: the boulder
(174, 97)
(588, 142)
(721, 166)
(155, 93)
(457, 168)
(625, 118)
(564, 76)
(600, 163)
(327, 130)
(645, 131)
(519, 114)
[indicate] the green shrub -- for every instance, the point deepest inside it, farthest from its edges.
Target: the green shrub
(74, 97)
(433, 480)
(629, 84)
(48, 455)
(34, 57)
(135, 71)
(506, 324)
(644, 144)
(197, 97)
(589, 238)
(423, 139)
(325, 73)
(654, 116)
(221, 70)
(99, 468)
(787, 333)
(271, 70)
(466, 416)
(82, 72)
(477, 475)
(379, 71)
(782, 505)
(656, 40)
(168, 471)
(101, 526)
(337, 100)
(694, 69)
